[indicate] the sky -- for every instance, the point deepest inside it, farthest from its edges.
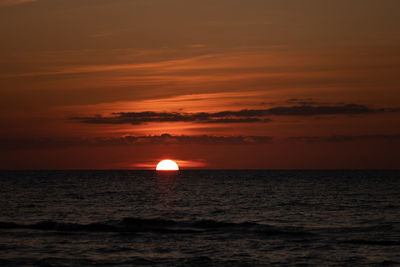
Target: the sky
(227, 84)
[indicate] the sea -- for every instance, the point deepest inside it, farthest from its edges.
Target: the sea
(200, 218)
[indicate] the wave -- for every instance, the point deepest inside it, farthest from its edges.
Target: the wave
(362, 229)
(372, 242)
(138, 225)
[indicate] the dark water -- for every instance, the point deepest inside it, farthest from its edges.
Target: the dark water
(224, 218)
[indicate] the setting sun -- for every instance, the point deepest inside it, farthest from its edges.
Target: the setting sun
(167, 165)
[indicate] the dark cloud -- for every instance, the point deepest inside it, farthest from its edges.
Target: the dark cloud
(343, 138)
(136, 118)
(197, 139)
(167, 139)
(302, 101)
(46, 143)
(309, 110)
(240, 116)
(37, 143)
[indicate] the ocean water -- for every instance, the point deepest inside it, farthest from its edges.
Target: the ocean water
(199, 218)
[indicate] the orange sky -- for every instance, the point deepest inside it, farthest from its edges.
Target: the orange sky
(251, 84)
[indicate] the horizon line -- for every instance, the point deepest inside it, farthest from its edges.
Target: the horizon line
(222, 169)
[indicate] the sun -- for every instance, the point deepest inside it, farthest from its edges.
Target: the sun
(167, 165)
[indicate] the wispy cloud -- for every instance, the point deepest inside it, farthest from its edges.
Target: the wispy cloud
(34, 143)
(160, 67)
(228, 116)
(14, 2)
(343, 138)
(137, 118)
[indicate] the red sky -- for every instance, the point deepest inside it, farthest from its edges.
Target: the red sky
(257, 84)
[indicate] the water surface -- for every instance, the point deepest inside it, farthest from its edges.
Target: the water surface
(330, 218)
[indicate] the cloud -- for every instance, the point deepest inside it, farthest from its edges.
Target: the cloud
(14, 2)
(343, 138)
(137, 118)
(167, 139)
(197, 139)
(302, 101)
(309, 110)
(240, 116)
(46, 143)
(184, 140)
